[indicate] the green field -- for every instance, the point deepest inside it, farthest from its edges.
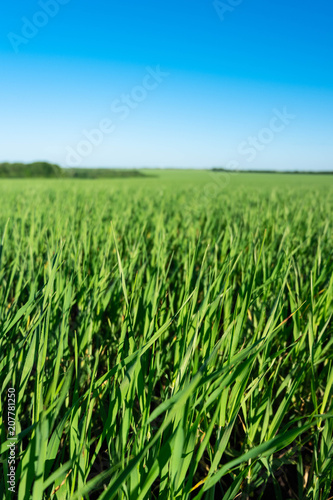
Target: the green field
(167, 337)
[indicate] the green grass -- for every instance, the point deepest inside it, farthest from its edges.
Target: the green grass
(168, 337)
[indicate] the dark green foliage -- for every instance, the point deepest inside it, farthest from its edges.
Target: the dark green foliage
(100, 173)
(36, 169)
(47, 170)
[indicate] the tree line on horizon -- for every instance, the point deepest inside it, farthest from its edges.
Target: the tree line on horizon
(42, 169)
(311, 172)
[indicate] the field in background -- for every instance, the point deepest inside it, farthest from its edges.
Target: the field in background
(183, 350)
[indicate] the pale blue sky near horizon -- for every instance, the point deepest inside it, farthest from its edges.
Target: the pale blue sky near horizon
(167, 84)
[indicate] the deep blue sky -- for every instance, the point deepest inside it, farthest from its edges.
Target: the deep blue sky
(60, 80)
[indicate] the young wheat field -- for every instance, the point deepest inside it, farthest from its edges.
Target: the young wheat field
(167, 337)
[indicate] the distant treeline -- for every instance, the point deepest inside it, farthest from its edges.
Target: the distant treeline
(100, 173)
(310, 172)
(37, 169)
(52, 171)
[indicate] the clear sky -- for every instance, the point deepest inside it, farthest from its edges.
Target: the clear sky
(188, 83)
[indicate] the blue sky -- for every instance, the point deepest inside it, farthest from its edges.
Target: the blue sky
(244, 84)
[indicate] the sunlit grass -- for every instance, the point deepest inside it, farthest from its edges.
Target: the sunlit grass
(164, 343)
